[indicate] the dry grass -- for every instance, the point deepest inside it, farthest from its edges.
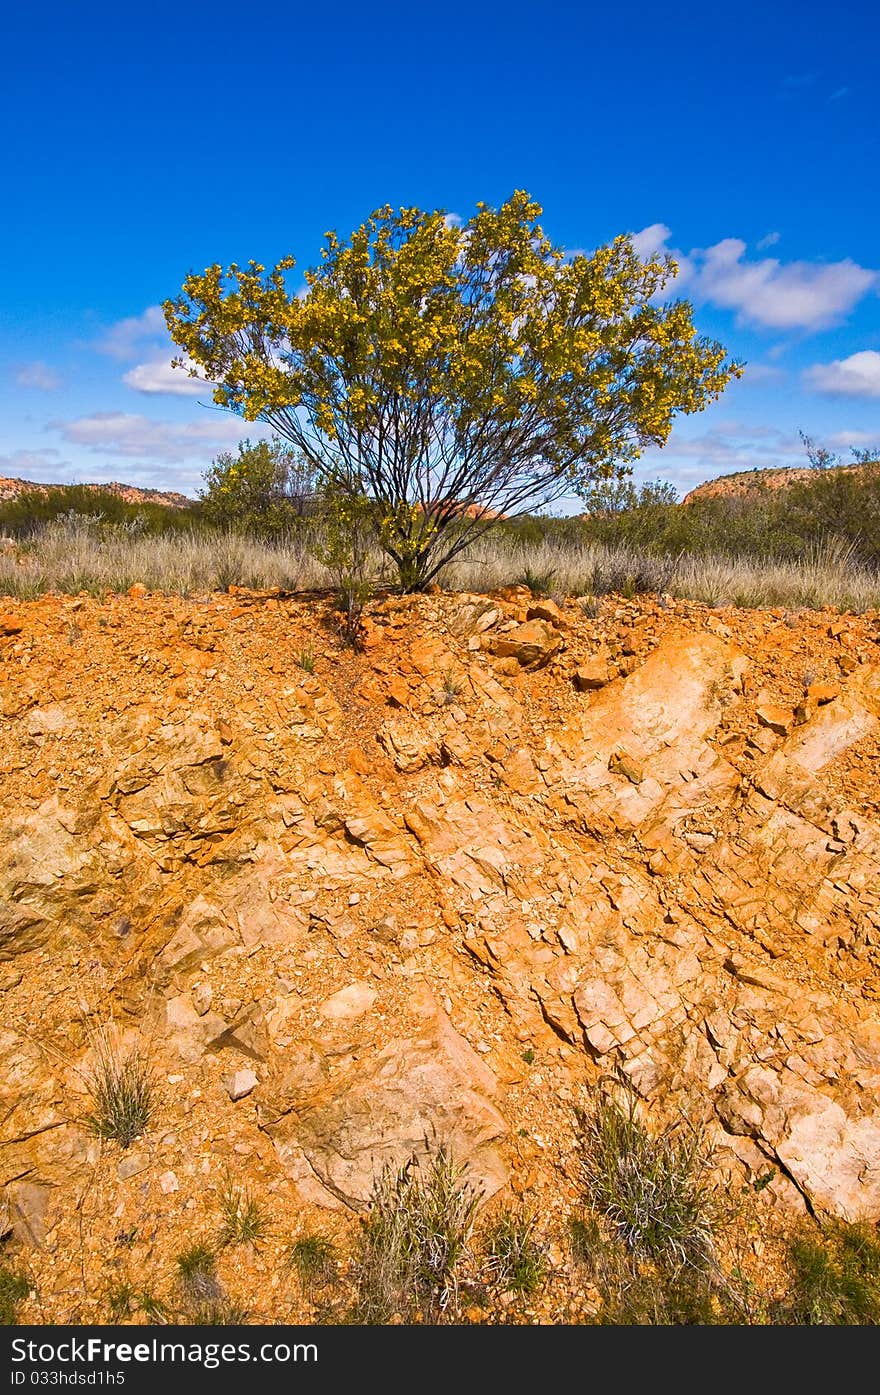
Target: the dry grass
(76, 555)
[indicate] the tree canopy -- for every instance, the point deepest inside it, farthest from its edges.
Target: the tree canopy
(450, 372)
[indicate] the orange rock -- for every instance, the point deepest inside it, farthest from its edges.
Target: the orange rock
(138, 591)
(778, 719)
(546, 610)
(532, 644)
(592, 675)
(821, 693)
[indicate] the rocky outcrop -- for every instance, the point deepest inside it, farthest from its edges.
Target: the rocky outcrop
(431, 891)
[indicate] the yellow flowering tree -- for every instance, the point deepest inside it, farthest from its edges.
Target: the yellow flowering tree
(448, 372)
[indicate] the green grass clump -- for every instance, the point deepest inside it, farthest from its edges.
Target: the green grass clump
(314, 1258)
(121, 1087)
(14, 1287)
(515, 1259)
(415, 1242)
(243, 1220)
(835, 1277)
(650, 1188)
(197, 1277)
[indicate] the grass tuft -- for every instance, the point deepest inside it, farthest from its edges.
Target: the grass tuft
(649, 1187)
(415, 1242)
(121, 1088)
(515, 1259)
(314, 1258)
(243, 1220)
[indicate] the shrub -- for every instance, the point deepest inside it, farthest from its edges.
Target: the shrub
(415, 1241)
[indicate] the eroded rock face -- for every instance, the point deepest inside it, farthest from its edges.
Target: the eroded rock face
(335, 1130)
(342, 905)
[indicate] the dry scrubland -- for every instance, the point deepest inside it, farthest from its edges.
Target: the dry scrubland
(79, 555)
(575, 902)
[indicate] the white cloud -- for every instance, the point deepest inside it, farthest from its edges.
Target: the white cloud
(838, 93)
(726, 449)
(39, 375)
(765, 291)
(856, 376)
(42, 466)
(158, 376)
(651, 239)
(126, 339)
(130, 435)
(847, 439)
(769, 239)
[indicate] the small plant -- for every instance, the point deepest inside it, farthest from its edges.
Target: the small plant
(306, 660)
(451, 687)
(648, 1186)
(516, 1261)
(243, 1221)
(590, 606)
(121, 1087)
(14, 1287)
(539, 583)
(835, 1278)
(345, 551)
(153, 1307)
(122, 1299)
(529, 1056)
(313, 1256)
(225, 1313)
(197, 1276)
(415, 1241)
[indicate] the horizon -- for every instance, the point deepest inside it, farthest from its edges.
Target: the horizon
(743, 151)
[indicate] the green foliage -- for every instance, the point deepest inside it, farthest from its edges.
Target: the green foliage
(516, 1260)
(14, 1287)
(539, 583)
(121, 1088)
(757, 523)
(243, 1220)
(28, 512)
(265, 488)
(344, 549)
(835, 1277)
(649, 1187)
(415, 1241)
(455, 372)
(314, 1258)
(197, 1277)
(306, 660)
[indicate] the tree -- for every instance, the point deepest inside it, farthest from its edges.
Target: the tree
(453, 373)
(264, 488)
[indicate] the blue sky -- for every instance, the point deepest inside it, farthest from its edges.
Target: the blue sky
(140, 144)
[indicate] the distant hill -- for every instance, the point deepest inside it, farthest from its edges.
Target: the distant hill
(746, 482)
(130, 493)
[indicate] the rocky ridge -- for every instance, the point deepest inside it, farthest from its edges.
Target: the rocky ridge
(431, 891)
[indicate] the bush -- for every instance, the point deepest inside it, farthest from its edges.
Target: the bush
(265, 489)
